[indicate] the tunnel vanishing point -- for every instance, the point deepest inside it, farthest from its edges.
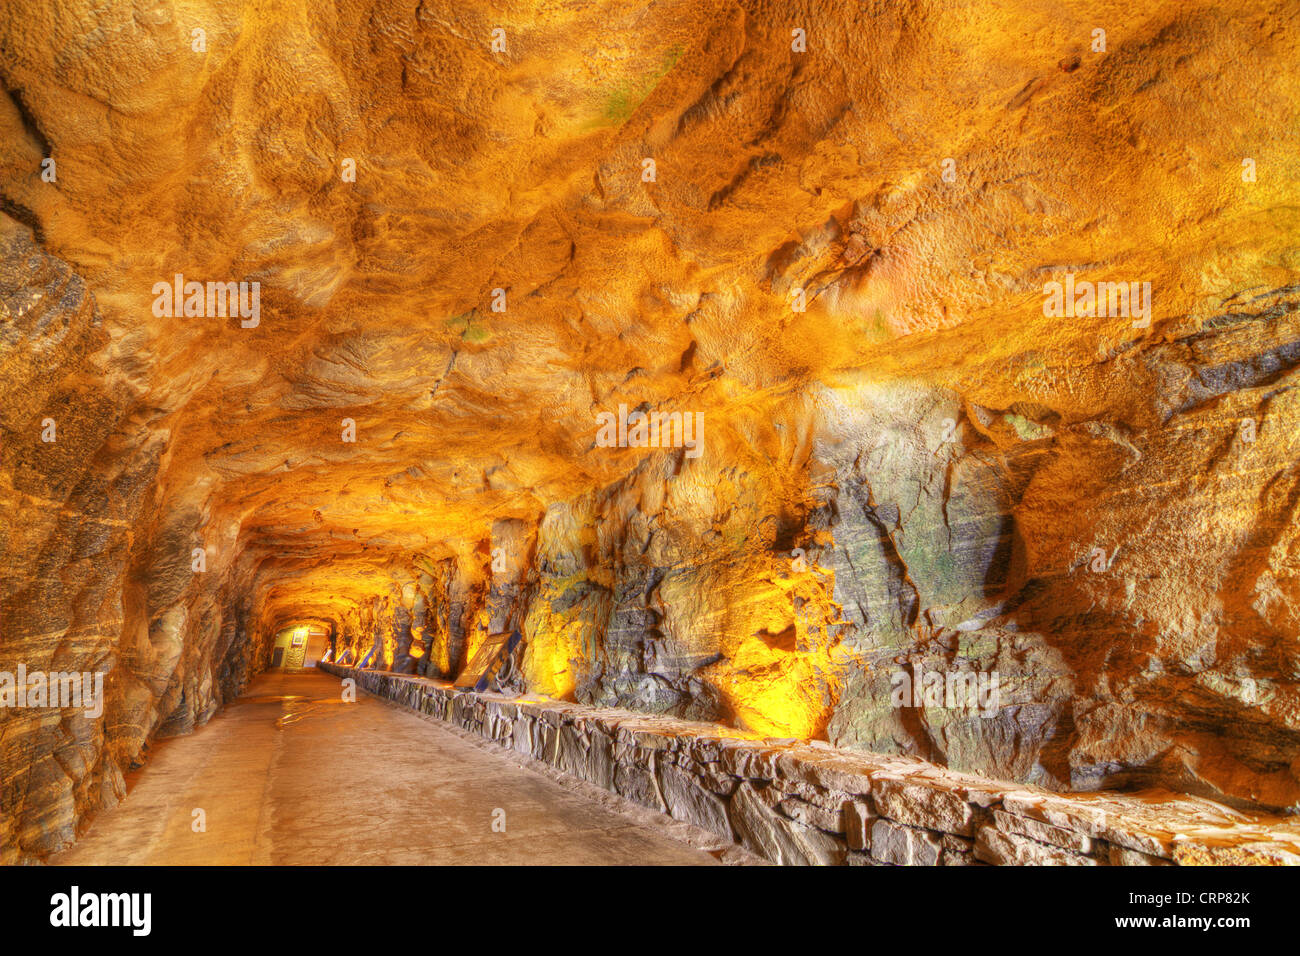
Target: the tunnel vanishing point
(867, 432)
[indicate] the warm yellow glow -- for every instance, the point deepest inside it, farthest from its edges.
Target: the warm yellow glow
(442, 657)
(475, 638)
(778, 677)
(771, 696)
(553, 655)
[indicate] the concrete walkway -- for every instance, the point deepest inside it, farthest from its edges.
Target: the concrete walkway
(289, 774)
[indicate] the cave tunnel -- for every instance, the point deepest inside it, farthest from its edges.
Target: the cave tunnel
(699, 433)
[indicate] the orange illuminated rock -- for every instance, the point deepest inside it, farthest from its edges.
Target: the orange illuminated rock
(909, 455)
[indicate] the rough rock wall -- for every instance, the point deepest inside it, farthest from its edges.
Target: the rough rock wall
(907, 464)
(788, 599)
(99, 573)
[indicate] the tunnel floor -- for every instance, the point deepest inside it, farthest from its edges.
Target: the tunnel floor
(289, 774)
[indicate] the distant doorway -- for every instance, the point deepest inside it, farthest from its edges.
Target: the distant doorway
(299, 646)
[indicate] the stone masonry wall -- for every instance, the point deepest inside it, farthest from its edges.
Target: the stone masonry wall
(808, 803)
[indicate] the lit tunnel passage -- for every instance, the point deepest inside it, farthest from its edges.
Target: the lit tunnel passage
(700, 436)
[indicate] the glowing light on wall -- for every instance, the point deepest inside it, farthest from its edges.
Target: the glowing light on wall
(552, 655)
